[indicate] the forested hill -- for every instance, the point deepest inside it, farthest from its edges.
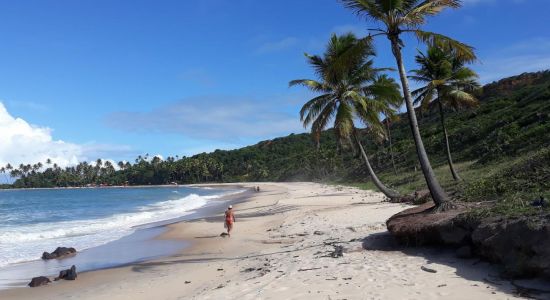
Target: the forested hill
(510, 129)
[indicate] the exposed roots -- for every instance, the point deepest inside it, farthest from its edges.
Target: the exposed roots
(443, 207)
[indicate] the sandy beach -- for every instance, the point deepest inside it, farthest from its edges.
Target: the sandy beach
(281, 249)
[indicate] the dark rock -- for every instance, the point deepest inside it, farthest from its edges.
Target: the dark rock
(223, 234)
(338, 252)
(69, 274)
(59, 253)
(38, 281)
(464, 252)
(317, 232)
(521, 244)
(420, 226)
(540, 202)
(429, 270)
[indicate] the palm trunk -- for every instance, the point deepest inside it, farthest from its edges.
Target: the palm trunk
(446, 140)
(385, 190)
(391, 147)
(439, 196)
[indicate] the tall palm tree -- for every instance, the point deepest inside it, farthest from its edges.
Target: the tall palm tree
(398, 17)
(448, 83)
(345, 95)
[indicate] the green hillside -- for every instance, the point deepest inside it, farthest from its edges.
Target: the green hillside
(501, 150)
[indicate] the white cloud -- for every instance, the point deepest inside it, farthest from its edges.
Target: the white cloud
(26, 143)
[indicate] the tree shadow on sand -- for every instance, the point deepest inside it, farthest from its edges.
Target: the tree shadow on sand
(471, 269)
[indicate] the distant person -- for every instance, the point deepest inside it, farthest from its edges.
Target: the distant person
(229, 219)
(257, 189)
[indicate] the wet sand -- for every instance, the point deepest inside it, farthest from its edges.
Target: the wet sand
(281, 249)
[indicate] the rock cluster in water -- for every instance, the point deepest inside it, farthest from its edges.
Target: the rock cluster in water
(59, 253)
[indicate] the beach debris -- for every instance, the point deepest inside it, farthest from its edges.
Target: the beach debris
(59, 252)
(318, 232)
(220, 269)
(248, 270)
(187, 282)
(69, 274)
(429, 270)
(464, 252)
(308, 269)
(442, 285)
(220, 286)
(38, 281)
(338, 251)
(541, 202)
(351, 228)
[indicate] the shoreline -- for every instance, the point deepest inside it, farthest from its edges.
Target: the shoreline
(280, 250)
(145, 238)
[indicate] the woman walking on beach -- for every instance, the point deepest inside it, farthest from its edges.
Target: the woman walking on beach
(229, 220)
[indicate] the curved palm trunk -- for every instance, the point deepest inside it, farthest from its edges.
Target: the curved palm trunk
(446, 139)
(439, 196)
(385, 190)
(391, 146)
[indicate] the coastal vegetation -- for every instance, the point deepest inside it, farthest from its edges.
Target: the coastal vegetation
(501, 148)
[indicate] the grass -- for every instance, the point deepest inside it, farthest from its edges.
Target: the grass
(509, 185)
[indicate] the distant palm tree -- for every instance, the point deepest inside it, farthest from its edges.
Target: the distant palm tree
(347, 93)
(448, 82)
(406, 16)
(388, 90)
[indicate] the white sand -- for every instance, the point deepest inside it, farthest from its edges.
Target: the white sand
(274, 239)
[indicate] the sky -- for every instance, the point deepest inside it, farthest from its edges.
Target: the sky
(114, 79)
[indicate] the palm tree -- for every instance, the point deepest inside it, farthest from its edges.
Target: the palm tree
(397, 17)
(344, 73)
(388, 90)
(448, 82)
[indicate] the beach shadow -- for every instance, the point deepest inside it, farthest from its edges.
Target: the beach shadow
(206, 237)
(328, 195)
(473, 269)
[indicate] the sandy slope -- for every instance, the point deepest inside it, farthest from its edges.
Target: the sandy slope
(275, 254)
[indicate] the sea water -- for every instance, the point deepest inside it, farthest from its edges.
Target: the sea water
(38, 220)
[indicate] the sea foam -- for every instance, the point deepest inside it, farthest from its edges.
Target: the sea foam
(24, 243)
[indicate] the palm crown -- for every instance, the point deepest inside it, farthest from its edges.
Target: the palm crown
(446, 78)
(350, 88)
(407, 16)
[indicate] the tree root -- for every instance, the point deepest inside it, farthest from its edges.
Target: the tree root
(443, 207)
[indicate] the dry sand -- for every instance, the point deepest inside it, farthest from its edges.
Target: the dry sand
(276, 253)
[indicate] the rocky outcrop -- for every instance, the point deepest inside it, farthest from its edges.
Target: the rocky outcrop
(60, 252)
(69, 274)
(521, 245)
(38, 281)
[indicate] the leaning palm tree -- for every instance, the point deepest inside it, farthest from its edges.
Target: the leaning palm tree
(448, 83)
(344, 72)
(398, 17)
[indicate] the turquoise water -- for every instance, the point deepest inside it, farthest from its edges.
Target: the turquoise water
(34, 221)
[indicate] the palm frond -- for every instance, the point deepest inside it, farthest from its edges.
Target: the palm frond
(461, 51)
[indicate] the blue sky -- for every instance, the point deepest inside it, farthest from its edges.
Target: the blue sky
(119, 78)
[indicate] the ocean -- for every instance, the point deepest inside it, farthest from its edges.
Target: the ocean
(34, 221)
